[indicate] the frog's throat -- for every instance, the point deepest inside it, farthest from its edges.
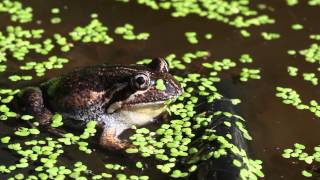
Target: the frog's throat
(116, 106)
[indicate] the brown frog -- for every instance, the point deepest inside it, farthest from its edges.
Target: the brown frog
(116, 96)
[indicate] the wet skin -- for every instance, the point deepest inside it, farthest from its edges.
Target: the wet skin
(116, 96)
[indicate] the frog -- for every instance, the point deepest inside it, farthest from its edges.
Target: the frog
(117, 97)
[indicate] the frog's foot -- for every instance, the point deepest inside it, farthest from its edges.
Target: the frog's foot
(109, 140)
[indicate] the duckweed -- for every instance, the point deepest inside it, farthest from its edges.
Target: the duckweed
(191, 37)
(293, 71)
(127, 33)
(315, 37)
(314, 2)
(310, 77)
(236, 13)
(56, 120)
(18, 41)
(139, 165)
(208, 36)
(62, 41)
(314, 107)
(178, 174)
(297, 27)
(246, 58)
(5, 140)
(53, 62)
(17, 12)
(270, 36)
(298, 152)
(306, 173)
(55, 20)
(225, 64)
(247, 74)
(290, 96)
(292, 52)
(292, 2)
(160, 85)
(312, 54)
(95, 32)
(55, 10)
(236, 163)
(19, 78)
(46, 152)
(121, 176)
(245, 33)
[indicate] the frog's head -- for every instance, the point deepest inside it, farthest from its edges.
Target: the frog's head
(154, 84)
(148, 87)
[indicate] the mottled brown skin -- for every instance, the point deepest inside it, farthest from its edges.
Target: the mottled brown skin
(116, 96)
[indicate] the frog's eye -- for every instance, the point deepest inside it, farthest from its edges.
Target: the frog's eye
(140, 81)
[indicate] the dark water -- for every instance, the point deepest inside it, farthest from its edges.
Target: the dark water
(273, 125)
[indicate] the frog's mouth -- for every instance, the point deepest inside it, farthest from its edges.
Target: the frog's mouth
(116, 106)
(149, 99)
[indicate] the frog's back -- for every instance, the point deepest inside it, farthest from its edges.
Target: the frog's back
(96, 78)
(85, 93)
(76, 91)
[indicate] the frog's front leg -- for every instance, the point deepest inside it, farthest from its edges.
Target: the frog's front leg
(109, 139)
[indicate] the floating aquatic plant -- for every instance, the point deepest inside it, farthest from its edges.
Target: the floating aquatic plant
(127, 33)
(236, 13)
(299, 152)
(95, 32)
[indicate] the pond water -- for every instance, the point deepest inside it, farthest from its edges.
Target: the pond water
(273, 125)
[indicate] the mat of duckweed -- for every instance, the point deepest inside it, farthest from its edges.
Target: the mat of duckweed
(42, 40)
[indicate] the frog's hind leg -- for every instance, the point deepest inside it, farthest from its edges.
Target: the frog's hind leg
(31, 100)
